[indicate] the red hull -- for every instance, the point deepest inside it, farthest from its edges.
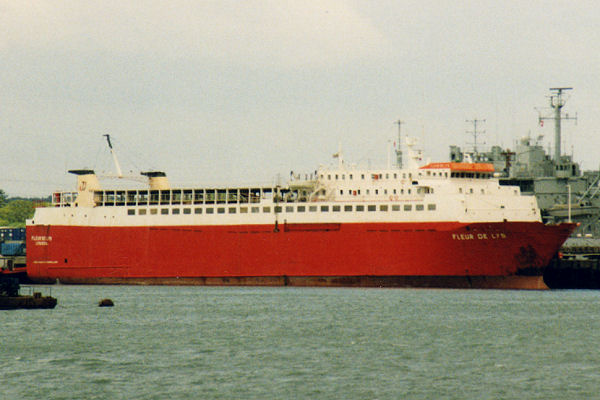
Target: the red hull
(422, 255)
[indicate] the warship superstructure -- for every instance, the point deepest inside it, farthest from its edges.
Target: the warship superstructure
(562, 190)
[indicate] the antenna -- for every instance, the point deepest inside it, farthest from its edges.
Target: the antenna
(475, 133)
(399, 148)
(557, 102)
(114, 155)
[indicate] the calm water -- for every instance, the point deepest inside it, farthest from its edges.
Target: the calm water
(305, 343)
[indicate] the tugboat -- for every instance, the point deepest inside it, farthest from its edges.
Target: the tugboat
(11, 299)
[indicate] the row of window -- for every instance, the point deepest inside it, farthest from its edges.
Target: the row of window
(419, 190)
(222, 196)
(476, 175)
(387, 176)
(287, 209)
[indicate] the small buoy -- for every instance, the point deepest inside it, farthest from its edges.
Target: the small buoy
(106, 303)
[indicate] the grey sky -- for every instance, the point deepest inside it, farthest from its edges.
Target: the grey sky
(239, 91)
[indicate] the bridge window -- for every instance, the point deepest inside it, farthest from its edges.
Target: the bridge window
(165, 197)
(176, 197)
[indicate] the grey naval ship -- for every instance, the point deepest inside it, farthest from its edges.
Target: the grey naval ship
(563, 191)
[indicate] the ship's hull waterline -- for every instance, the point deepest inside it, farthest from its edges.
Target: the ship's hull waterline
(498, 255)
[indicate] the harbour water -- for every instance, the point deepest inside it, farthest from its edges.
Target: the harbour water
(302, 343)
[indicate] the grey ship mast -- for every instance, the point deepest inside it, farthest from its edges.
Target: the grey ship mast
(399, 148)
(557, 102)
(475, 133)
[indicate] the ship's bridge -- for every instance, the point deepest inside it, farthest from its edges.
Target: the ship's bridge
(463, 169)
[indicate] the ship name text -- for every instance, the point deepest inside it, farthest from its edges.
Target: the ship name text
(41, 240)
(478, 236)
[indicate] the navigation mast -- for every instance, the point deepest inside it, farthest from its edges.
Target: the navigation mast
(399, 148)
(475, 133)
(557, 102)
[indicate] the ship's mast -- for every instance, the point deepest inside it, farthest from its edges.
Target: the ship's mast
(475, 133)
(114, 155)
(557, 102)
(399, 148)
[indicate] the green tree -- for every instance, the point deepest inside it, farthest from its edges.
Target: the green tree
(3, 198)
(14, 213)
